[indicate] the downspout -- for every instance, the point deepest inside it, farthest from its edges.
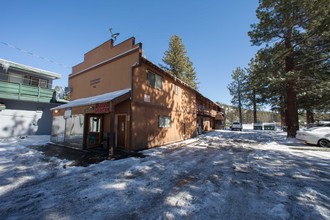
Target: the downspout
(138, 64)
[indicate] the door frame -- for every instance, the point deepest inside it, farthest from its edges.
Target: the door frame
(116, 129)
(86, 129)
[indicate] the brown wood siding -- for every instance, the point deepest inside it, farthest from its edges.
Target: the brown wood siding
(94, 76)
(108, 78)
(180, 107)
(106, 124)
(123, 108)
(103, 52)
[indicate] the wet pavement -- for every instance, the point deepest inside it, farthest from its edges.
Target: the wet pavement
(82, 157)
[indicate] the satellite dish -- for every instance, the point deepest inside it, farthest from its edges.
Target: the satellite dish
(113, 35)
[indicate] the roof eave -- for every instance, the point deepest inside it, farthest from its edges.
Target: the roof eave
(29, 69)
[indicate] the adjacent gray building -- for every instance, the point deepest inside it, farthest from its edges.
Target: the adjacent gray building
(26, 97)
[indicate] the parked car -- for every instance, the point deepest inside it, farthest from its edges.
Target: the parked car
(319, 124)
(317, 135)
(257, 126)
(236, 125)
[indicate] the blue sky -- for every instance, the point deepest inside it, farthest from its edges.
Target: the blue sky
(214, 33)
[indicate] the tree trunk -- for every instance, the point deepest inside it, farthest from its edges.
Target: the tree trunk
(240, 110)
(255, 119)
(292, 110)
(309, 116)
(239, 103)
(291, 93)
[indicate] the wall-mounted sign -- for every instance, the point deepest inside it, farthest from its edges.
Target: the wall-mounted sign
(102, 108)
(146, 98)
(89, 109)
(94, 82)
(68, 113)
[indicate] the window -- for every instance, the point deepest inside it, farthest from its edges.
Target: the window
(94, 124)
(151, 79)
(42, 83)
(164, 121)
(15, 78)
(34, 81)
(26, 80)
(39, 82)
(155, 80)
(176, 89)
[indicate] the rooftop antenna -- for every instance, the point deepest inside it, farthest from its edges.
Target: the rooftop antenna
(113, 35)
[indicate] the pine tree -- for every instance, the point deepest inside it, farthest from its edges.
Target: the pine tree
(265, 82)
(178, 63)
(237, 90)
(254, 85)
(285, 22)
(314, 81)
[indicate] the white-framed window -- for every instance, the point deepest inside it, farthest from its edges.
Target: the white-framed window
(164, 121)
(38, 82)
(176, 89)
(155, 80)
(43, 83)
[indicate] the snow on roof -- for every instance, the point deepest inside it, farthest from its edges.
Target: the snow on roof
(9, 64)
(94, 99)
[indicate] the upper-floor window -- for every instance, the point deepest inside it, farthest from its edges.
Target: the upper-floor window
(23, 79)
(164, 122)
(155, 80)
(39, 82)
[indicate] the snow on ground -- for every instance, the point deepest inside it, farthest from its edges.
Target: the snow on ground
(219, 175)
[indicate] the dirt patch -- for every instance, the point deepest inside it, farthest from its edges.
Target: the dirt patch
(185, 181)
(82, 157)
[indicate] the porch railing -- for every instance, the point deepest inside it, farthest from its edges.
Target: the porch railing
(207, 112)
(18, 91)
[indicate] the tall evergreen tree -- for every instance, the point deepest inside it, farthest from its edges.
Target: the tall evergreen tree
(265, 79)
(178, 63)
(237, 89)
(254, 87)
(284, 22)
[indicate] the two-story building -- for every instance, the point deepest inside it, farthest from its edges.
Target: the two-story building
(122, 99)
(26, 96)
(210, 115)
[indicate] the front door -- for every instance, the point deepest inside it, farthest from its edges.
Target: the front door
(94, 134)
(121, 131)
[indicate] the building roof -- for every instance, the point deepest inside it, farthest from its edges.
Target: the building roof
(107, 97)
(24, 68)
(177, 79)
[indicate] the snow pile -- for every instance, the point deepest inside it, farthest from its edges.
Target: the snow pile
(219, 175)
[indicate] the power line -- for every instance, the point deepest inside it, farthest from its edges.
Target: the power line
(35, 55)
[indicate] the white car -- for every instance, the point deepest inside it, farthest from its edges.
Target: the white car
(317, 135)
(236, 126)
